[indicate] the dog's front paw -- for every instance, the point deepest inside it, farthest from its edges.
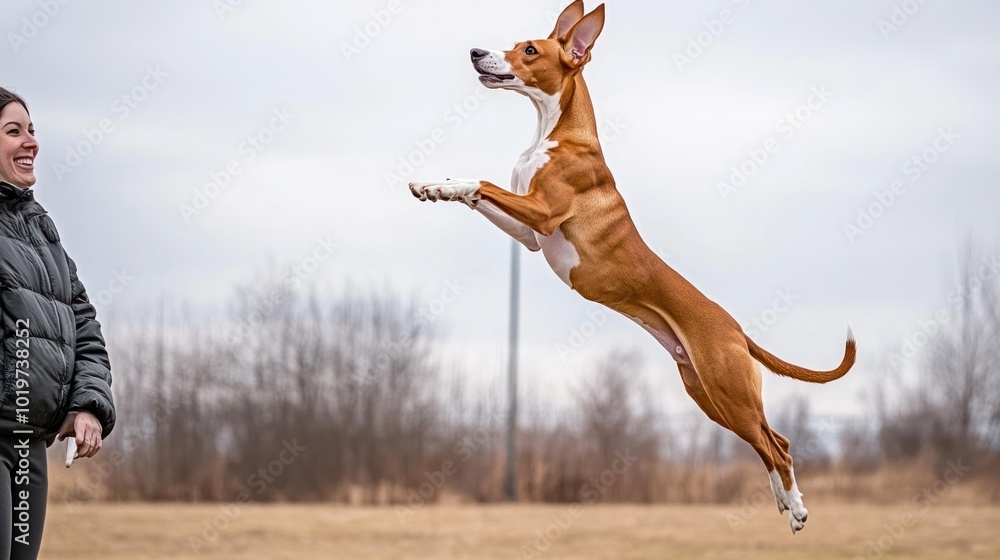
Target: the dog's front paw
(450, 190)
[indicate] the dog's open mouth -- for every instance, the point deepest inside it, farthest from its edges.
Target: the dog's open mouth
(490, 78)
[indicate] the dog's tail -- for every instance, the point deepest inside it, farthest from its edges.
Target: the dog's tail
(781, 367)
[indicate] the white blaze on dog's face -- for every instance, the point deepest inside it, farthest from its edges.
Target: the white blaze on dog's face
(544, 65)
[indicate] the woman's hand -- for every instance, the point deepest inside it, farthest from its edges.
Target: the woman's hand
(87, 430)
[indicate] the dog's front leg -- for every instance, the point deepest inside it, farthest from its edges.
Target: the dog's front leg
(540, 209)
(468, 193)
(453, 190)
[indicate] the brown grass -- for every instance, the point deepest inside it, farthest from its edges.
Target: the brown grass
(153, 532)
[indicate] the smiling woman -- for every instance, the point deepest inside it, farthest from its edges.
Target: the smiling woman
(55, 379)
(18, 147)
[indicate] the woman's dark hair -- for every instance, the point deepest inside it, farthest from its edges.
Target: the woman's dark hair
(8, 97)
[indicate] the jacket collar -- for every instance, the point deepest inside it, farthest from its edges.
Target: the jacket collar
(9, 192)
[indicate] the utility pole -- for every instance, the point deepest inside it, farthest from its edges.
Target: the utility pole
(510, 482)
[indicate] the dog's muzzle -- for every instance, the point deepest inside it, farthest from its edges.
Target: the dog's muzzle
(490, 70)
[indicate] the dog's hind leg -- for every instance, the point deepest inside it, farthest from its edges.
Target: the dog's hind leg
(695, 389)
(730, 379)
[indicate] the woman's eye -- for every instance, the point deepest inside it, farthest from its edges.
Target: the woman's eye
(530, 50)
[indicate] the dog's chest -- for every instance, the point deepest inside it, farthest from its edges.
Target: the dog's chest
(528, 165)
(561, 255)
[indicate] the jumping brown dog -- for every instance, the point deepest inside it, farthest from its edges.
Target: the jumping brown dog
(565, 203)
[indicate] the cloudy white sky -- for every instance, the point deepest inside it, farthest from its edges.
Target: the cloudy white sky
(182, 85)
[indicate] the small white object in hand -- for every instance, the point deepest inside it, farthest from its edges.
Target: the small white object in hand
(70, 451)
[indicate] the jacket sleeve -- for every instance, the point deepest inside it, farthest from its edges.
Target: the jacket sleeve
(90, 388)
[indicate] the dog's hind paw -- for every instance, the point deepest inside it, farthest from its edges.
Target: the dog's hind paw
(797, 519)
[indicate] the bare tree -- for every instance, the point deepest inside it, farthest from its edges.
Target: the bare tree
(951, 410)
(964, 360)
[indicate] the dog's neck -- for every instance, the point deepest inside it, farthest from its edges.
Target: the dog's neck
(566, 116)
(549, 108)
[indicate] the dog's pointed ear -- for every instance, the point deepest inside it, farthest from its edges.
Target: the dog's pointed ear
(582, 36)
(572, 14)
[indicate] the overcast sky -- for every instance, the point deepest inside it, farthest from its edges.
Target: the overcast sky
(336, 95)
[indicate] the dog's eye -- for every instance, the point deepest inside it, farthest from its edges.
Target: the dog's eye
(530, 50)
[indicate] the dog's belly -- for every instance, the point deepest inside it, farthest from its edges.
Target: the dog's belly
(668, 340)
(561, 255)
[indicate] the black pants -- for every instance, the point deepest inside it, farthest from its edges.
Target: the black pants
(24, 487)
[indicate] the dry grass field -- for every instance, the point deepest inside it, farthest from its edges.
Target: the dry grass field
(162, 531)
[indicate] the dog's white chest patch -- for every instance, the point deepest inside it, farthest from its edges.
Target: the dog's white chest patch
(535, 157)
(560, 254)
(529, 164)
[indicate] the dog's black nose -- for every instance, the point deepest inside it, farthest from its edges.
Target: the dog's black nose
(478, 53)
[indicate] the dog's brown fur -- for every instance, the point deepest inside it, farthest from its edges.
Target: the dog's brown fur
(574, 193)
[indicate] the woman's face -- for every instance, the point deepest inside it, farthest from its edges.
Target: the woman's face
(18, 147)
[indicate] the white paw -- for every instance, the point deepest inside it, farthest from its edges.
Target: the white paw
(450, 190)
(790, 500)
(797, 512)
(797, 518)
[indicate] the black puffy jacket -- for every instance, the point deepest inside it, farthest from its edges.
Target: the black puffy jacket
(54, 357)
